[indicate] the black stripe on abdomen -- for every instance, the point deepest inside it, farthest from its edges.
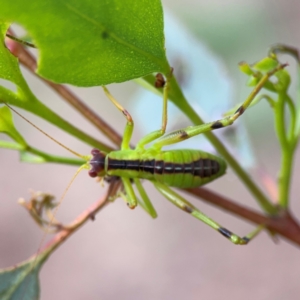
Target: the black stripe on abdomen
(203, 167)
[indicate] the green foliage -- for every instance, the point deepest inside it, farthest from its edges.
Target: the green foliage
(282, 105)
(98, 42)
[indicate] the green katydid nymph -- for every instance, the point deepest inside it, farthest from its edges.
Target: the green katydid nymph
(184, 168)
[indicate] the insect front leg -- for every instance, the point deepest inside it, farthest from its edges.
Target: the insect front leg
(158, 133)
(195, 212)
(132, 200)
(130, 195)
(129, 125)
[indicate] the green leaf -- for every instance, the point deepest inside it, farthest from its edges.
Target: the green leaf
(7, 126)
(267, 64)
(245, 68)
(21, 281)
(89, 42)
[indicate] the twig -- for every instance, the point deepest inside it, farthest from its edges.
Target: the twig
(86, 215)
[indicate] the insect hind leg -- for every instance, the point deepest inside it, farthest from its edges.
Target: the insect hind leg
(195, 212)
(188, 132)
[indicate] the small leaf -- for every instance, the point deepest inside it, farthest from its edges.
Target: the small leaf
(89, 42)
(245, 68)
(267, 64)
(7, 126)
(21, 281)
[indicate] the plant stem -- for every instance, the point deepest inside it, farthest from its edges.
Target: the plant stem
(56, 159)
(288, 141)
(284, 178)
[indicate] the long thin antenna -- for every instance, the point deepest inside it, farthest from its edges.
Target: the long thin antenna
(46, 134)
(58, 205)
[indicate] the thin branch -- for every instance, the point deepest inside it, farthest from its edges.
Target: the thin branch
(85, 216)
(284, 224)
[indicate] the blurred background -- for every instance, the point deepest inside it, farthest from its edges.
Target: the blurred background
(125, 254)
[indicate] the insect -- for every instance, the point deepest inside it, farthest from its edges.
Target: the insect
(184, 168)
(172, 168)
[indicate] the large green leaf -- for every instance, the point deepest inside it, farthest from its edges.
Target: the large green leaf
(89, 42)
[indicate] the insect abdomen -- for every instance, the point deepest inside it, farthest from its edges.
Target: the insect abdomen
(188, 168)
(178, 168)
